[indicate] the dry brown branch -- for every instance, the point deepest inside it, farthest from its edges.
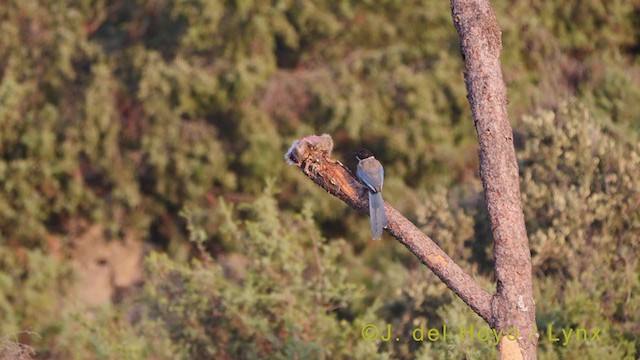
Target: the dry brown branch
(311, 154)
(513, 305)
(13, 350)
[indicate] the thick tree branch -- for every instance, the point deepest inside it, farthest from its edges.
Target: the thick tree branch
(311, 154)
(513, 304)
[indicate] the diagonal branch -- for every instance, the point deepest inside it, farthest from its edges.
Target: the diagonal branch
(311, 155)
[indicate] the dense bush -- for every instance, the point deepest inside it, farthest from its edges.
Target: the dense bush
(582, 197)
(168, 119)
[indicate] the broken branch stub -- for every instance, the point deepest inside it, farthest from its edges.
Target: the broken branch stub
(312, 155)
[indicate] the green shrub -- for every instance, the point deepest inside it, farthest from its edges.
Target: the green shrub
(581, 197)
(124, 114)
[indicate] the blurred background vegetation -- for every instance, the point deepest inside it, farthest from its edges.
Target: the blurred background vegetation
(146, 210)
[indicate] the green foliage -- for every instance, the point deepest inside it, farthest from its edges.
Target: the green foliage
(198, 97)
(42, 283)
(582, 197)
(562, 49)
(166, 119)
(284, 296)
(110, 335)
(280, 300)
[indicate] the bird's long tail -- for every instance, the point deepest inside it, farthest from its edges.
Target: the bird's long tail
(377, 216)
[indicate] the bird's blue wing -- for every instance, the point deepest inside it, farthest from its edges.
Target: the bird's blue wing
(371, 174)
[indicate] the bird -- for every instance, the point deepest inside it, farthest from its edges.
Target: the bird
(371, 174)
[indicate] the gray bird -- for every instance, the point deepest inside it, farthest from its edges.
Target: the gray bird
(371, 173)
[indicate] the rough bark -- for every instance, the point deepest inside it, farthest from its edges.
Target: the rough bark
(312, 156)
(513, 305)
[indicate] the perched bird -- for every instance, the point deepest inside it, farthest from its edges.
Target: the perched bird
(371, 173)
